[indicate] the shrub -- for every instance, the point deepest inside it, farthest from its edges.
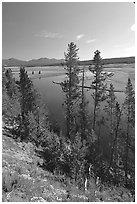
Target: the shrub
(9, 181)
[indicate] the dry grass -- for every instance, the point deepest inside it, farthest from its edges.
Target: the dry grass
(24, 181)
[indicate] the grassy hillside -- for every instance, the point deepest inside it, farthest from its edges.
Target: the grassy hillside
(24, 179)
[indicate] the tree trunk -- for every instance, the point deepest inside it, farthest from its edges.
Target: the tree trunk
(69, 102)
(115, 141)
(126, 156)
(83, 108)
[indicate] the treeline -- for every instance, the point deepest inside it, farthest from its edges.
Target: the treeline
(78, 154)
(120, 60)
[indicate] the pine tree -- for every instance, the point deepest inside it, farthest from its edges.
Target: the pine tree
(27, 101)
(129, 106)
(114, 148)
(78, 161)
(27, 92)
(98, 84)
(83, 121)
(38, 123)
(10, 109)
(100, 122)
(4, 79)
(11, 86)
(110, 110)
(70, 88)
(10, 99)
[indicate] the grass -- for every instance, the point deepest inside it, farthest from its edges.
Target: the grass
(24, 181)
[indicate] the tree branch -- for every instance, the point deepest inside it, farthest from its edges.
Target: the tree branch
(90, 87)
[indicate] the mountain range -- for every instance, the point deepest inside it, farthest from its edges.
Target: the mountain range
(57, 62)
(34, 62)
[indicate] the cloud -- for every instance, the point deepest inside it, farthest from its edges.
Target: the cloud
(133, 27)
(90, 41)
(78, 37)
(45, 34)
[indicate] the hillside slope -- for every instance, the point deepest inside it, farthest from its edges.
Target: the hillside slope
(23, 179)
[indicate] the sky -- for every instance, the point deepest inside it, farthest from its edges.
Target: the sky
(32, 30)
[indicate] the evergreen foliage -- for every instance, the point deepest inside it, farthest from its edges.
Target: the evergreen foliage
(71, 89)
(110, 110)
(38, 120)
(83, 119)
(114, 155)
(27, 93)
(10, 109)
(129, 108)
(11, 86)
(4, 79)
(78, 161)
(10, 99)
(28, 107)
(99, 84)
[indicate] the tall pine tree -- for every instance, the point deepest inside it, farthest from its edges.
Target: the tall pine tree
(110, 110)
(98, 84)
(71, 89)
(129, 106)
(27, 92)
(114, 154)
(27, 101)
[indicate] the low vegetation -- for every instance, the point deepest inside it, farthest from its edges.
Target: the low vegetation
(41, 164)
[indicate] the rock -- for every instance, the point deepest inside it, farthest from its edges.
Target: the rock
(37, 199)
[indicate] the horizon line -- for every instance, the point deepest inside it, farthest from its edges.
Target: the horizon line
(63, 58)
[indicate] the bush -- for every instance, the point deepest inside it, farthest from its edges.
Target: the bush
(9, 181)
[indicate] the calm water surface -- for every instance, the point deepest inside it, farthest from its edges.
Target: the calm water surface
(52, 94)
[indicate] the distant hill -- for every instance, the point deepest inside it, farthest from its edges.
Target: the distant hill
(34, 62)
(13, 62)
(57, 62)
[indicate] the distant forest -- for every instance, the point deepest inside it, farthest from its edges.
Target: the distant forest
(126, 60)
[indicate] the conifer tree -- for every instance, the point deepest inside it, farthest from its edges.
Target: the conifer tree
(10, 99)
(4, 79)
(70, 88)
(114, 154)
(38, 123)
(27, 101)
(83, 121)
(78, 161)
(27, 92)
(98, 84)
(100, 122)
(110, 110)
(11, 85)
(129, 107)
